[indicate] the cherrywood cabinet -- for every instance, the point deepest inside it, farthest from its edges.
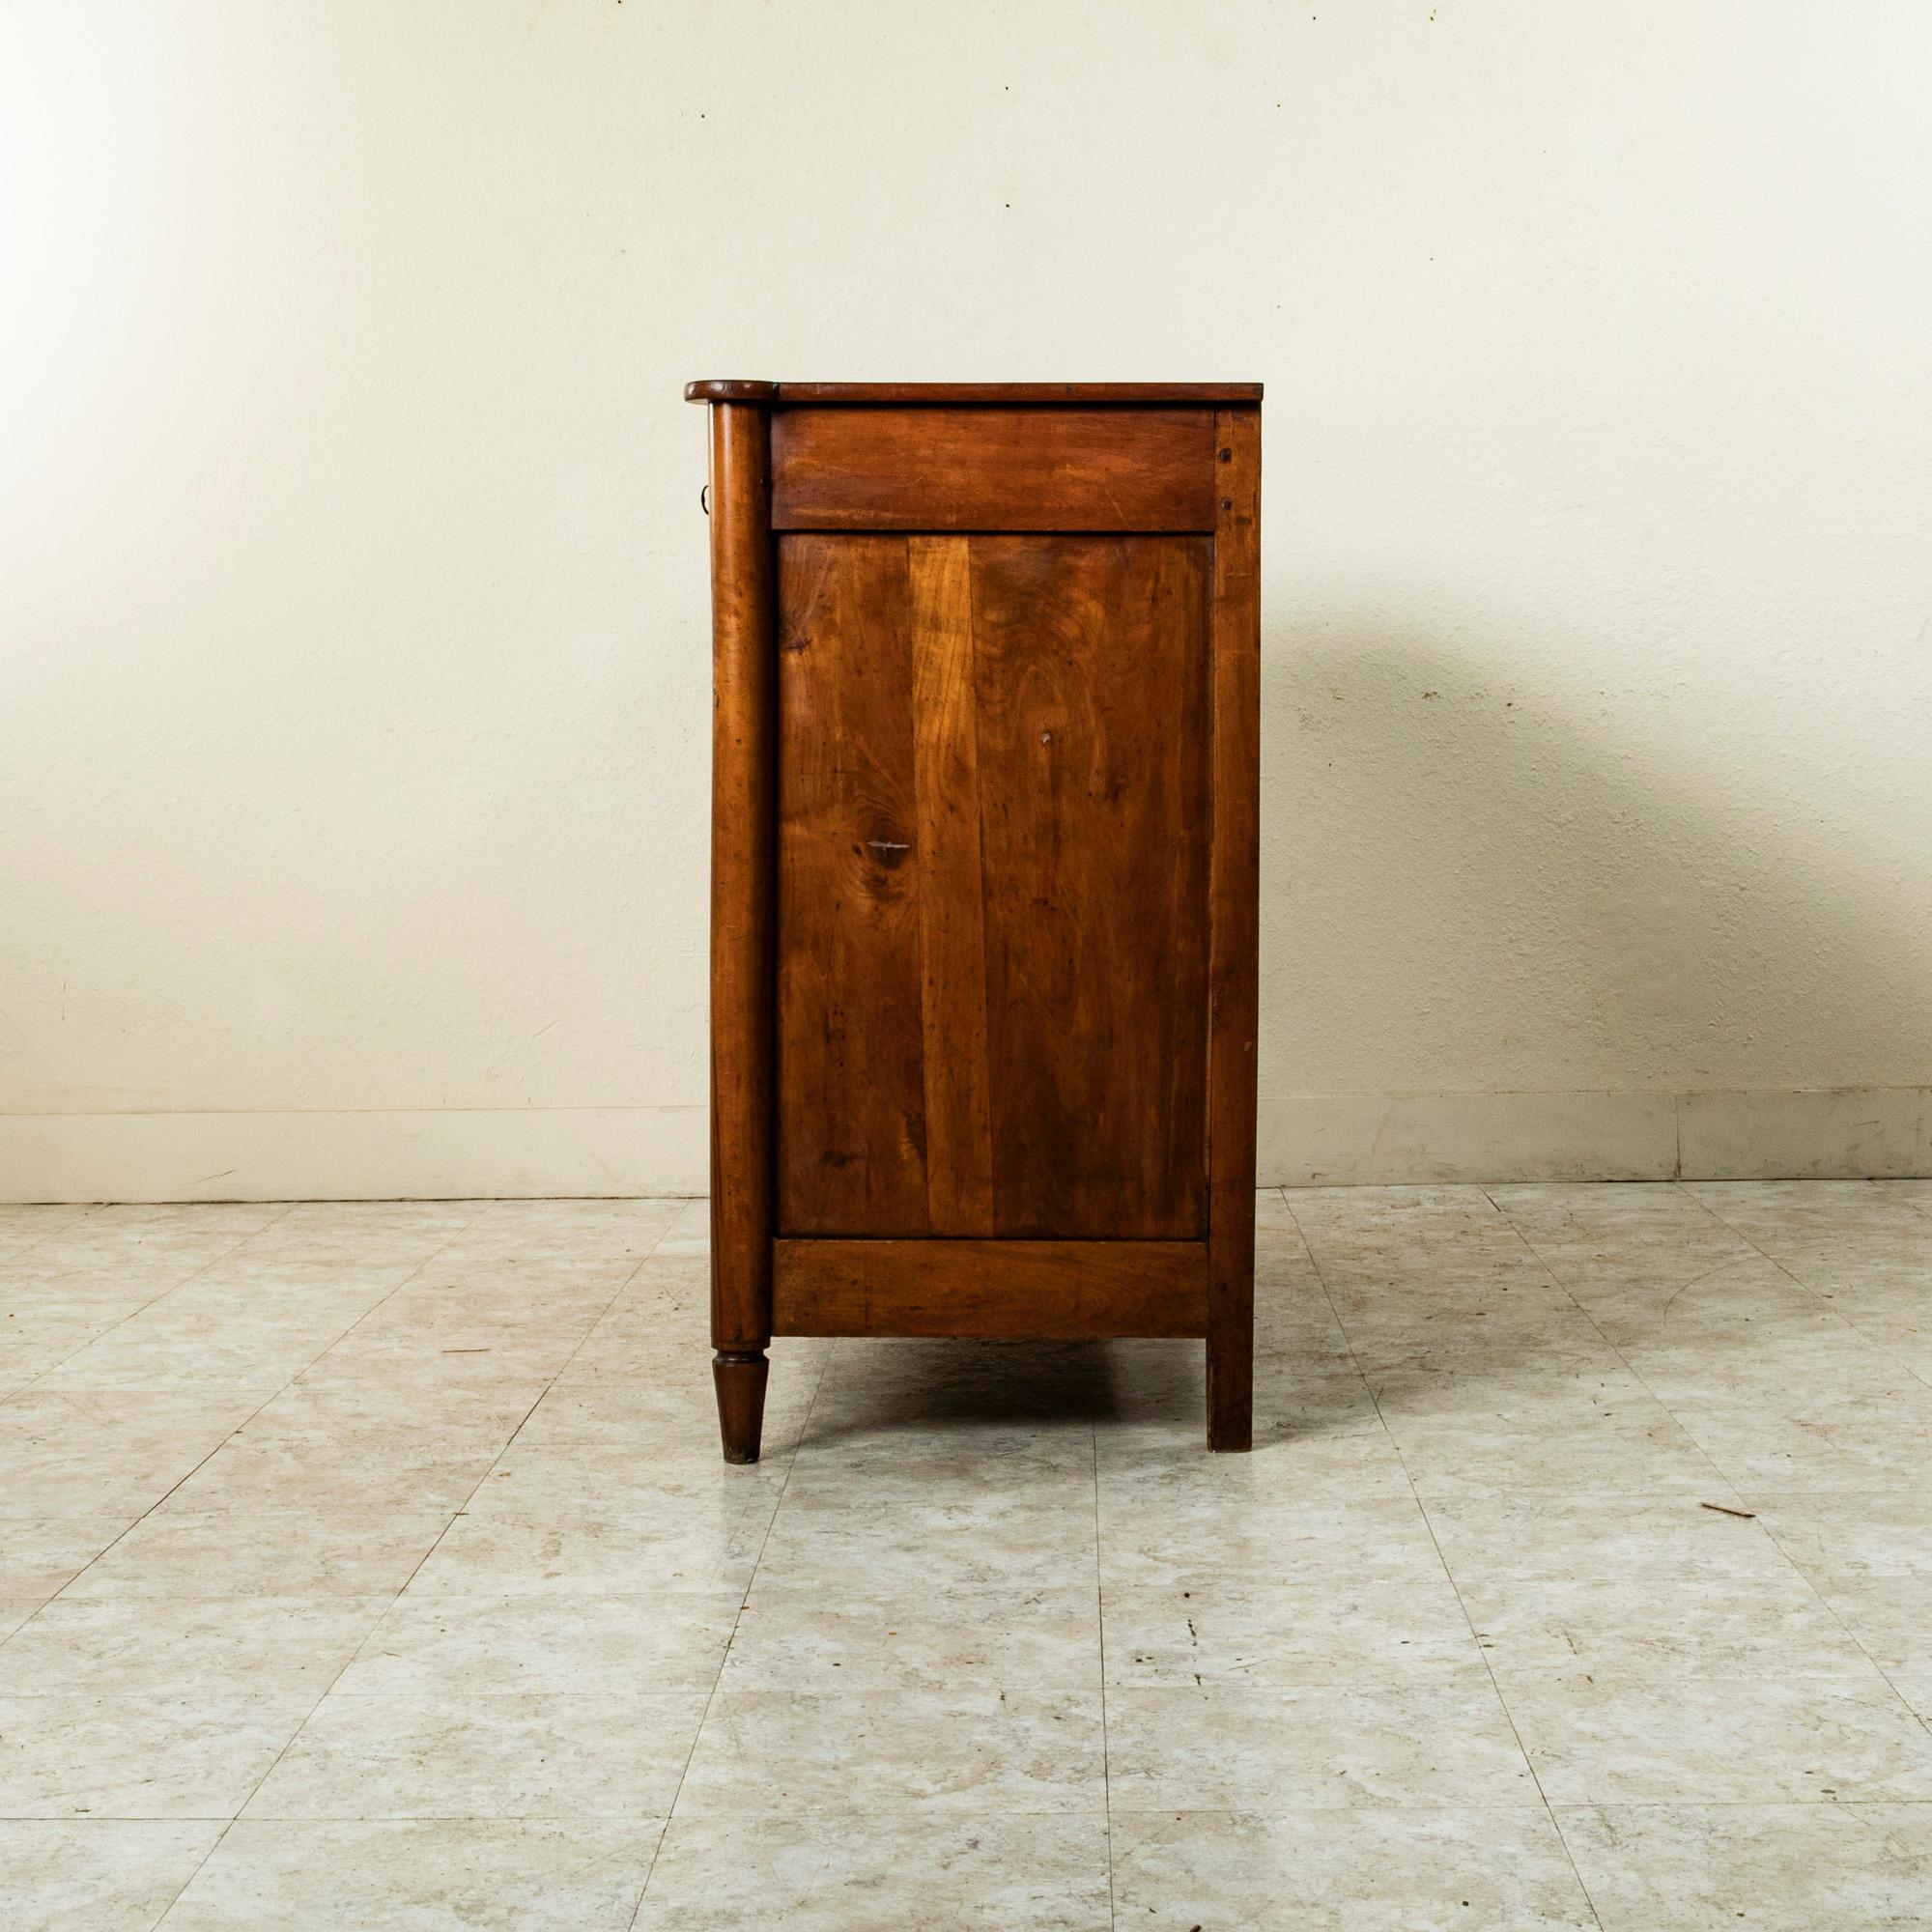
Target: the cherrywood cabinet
(986, 759)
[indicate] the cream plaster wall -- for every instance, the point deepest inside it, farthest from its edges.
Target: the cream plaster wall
(352, 683)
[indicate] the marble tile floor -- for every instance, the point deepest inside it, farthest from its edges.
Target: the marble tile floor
(373, 1565)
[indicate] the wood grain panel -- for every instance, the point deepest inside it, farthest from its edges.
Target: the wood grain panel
(1091, 671)
(1016, 1290)
(851, 1108)
(993, 469)
(952, 890)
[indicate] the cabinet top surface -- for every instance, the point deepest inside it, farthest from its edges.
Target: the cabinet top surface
(733, 390)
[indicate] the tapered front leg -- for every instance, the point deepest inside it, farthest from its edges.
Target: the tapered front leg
(740, 1378)
(743, 890)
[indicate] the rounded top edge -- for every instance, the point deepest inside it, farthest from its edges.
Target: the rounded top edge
(730, 389)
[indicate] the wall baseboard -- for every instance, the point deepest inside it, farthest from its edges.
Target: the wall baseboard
(1306, 1140)
(443, 1153)
(1825, 1133)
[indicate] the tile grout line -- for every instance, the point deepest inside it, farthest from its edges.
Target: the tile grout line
(85, 1210)
(172, 1487)
(1563, 1287)
(549, 1384)
(274, 1396)
(1100, 1626)
(429, 1260)
(229, 1824)
(1671, 1411)
(381, 1301)
(155, 1301)
(1808, 1804)
(1798, 1569)
(79, 1211)
(1795, 1568)
(710, 1697)
(1449, 1576)
(1636, 1376)
(286, 1208)
(1818, 1296)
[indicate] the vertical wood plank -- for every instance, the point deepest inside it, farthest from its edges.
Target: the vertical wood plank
(851, 1107)
(951, 890)
(1091, 668)
(743, 742)
(1233, 889)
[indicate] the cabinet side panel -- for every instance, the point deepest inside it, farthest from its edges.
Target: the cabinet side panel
(1090, 670)
(851, 1115)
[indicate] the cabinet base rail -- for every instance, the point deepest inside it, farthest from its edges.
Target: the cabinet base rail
(990, 1290)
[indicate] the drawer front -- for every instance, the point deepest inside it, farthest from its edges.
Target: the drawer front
(992, 928)
(992, 469)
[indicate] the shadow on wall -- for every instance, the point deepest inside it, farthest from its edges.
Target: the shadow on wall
(1476, 884)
